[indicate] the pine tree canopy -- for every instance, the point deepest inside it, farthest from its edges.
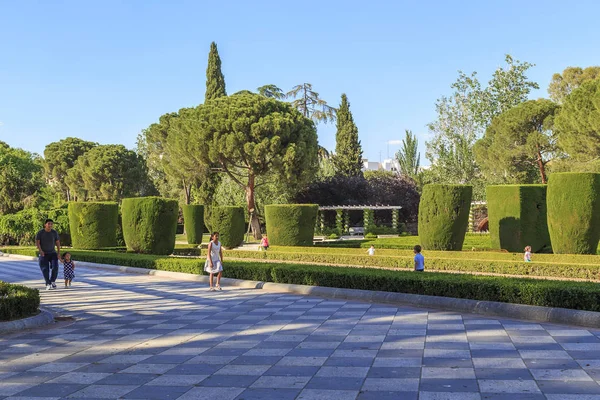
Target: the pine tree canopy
(215, 81)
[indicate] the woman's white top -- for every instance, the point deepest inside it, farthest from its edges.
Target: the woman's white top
(215, 250)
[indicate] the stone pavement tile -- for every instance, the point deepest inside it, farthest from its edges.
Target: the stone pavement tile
(177, 380)
(30, 398)
(391, 385)
(202, 359)
(449, 385)
(103, 391)
(387, 395)
(503, 373)
(593, 373)
(242, 381)
(498, 363)
(395, 362)
(349, 362)
(11, 388)
(243, 370)
(569, 332)
(401, 353)
(538, 346)
(149, 368)
(448, 396)
(560, 375)
(109, 368)
(447, 345)
(447, 362)
(318, 394)
(359, 346)
(86, 378)
(557, 387)
(281, 382)
(29, 377)
(491, 346)
(536, 339)
(582, 354)
(355, 353)
(184, 351)
(324, 338)
(310, 352)
(495, 354)
(507, 386)
(335, 384)
(342, 372)
(546, 363)
(572, 397)
(548, 354)
(403, 345)
(256, 360)
(447, 373)
(194, 369)
(268, 352)
(59, 367)
(167, 359)
(126, 379)
(157, 392)
(268, 394)
(51, 389)
(440, 353)
(302, 361)
(394, 372)
(292, 371)
(513, 396)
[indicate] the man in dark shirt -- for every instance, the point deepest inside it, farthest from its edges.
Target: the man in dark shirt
(48, 244)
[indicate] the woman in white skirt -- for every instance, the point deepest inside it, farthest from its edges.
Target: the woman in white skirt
(214, 260)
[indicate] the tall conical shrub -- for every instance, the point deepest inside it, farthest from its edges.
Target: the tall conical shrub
(193, 220)
(444, 216)
(215, 81)
(150, 224)
(573, 202)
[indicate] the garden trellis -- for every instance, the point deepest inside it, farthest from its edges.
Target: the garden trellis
(342, 217)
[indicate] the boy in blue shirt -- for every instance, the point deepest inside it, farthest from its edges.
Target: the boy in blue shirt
(419, 259)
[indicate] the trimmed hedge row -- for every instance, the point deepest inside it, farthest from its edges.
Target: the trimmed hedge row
(150, 224)
(575, 295)
(93, 225)
(444, 216)
(517, 217)
(230, 223)
(574, 212)
(17, 301)
(193, 220)
(291, 224)
(475, 241)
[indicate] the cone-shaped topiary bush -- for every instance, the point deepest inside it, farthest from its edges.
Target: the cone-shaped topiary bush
(93, 225)
(291, 224)
(193, 220)
(230, 223)
(517, 217)
(150, 224)
(444, 216)
(574, 212)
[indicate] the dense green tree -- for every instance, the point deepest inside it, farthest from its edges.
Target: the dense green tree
(108, 172)
(571, 78)
(408, 156)
(271, 91)
(21, 176)
(59, 158)
(248, 136)
(578, 125)
(215, 81)
(519, 143)
(348, 151)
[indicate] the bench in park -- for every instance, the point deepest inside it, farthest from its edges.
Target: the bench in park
(356, 231)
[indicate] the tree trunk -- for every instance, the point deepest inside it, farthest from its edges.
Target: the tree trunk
(540, 163)
(187, 190)
(254, 222)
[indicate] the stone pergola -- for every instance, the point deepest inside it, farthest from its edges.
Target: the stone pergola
(343, 217)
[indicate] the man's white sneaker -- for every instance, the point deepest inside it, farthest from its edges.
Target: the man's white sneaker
(48, 287)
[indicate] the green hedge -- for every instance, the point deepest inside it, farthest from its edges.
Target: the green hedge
(230, 223)
(20, 228)
(17, 301)
(93, 225)
(517, 217)
(575, 295)
(149, 224)
(193, 219)
(291, 224)
(444, 216)
(574, 212)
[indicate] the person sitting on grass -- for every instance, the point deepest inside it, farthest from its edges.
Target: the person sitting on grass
(419, 259)
(264, 243)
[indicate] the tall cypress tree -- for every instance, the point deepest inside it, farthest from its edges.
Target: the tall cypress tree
(348, 151)
(215, 81)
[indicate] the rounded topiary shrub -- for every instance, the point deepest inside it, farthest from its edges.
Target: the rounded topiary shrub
(444, 216)
(93, 225)
(193, 220)
(291, 224)
(230, 223)
(573, 203)
(17, 301)
(517, 217)
(149, 224)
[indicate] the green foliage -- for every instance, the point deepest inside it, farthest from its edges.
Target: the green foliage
(370, 236)
(563, 85)
(409, 157)
(20, 178)
(444, 216)
(369, 220)
(60, 157)
(573, 203)
(519, 143)
(310, 104)
(333, 236)
(229, 222)
(517, 217)
(215, 81)
(348, 151)
(149, 224)
(108, 172)
(578, 123)
(17, 301)
(291, 224)
(93, 225)
(193, 218)
(20, 228)
(271, 91)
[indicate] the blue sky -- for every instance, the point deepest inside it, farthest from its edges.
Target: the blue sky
(104, 70)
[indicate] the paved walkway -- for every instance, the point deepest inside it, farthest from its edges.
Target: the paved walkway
(145, 337)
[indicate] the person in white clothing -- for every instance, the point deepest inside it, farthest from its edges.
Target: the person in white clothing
(214, 261)
(371, 250)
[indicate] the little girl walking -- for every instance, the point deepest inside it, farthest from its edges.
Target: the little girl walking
(68, 269)
(214, 260)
